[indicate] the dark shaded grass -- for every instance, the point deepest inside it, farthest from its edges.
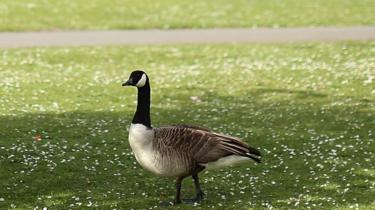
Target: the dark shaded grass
(118, 182)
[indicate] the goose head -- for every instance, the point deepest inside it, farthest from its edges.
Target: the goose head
(137, 78)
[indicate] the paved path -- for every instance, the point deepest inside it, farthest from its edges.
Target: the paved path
(135, 37)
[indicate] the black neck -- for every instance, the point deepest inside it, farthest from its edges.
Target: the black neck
(142, 114)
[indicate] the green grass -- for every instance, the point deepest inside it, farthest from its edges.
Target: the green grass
(308, 107)
(129, 14)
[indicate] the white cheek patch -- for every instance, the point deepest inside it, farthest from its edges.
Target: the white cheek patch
(142, 81)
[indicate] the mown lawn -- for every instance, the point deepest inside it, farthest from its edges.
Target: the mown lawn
(308, 107)
(129, 14)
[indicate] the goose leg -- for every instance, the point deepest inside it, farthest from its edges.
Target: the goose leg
(177, 199)
(199, 192)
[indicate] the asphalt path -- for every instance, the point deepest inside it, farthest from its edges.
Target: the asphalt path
(187, 36)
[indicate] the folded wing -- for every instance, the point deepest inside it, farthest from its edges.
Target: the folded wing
(201, 145)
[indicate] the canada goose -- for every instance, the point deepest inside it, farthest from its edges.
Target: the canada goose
(179, 150)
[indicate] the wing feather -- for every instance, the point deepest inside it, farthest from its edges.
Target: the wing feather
(200, 144)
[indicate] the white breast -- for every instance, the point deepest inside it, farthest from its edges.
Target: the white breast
(140, 140)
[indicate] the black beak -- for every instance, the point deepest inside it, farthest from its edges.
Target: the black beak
(127, 83)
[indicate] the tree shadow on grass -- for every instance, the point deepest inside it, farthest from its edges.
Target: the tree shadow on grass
(316, 155)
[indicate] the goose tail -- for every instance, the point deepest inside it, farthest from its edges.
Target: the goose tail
(254, 154)
(237, 147)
